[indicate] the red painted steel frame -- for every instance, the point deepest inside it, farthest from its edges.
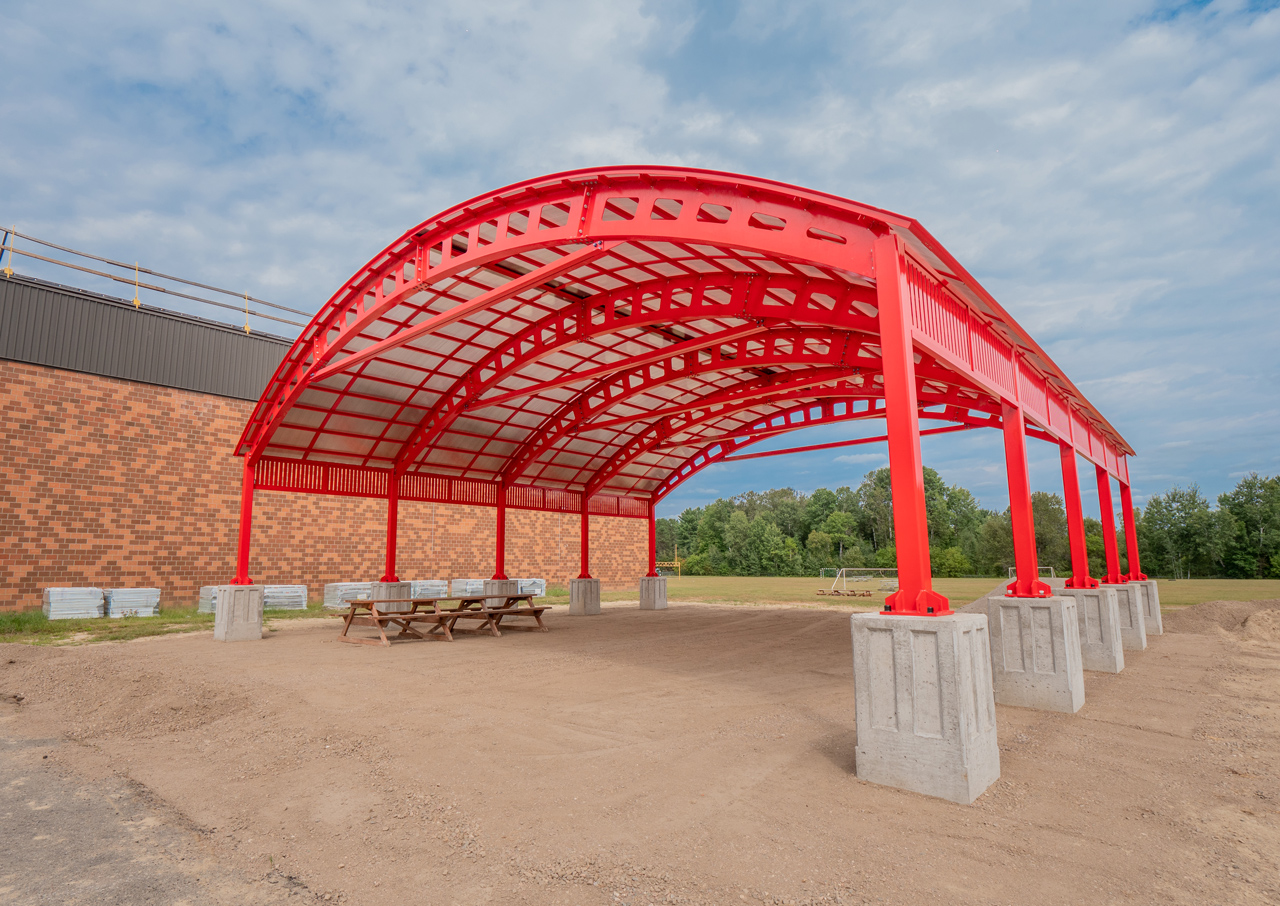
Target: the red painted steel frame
(1107, 514)
(915, 594)
(1135, 573)
(246, 526)
(1080, 577)
(653, 540)
(1027, 583)
(393, 520)
(585, 548)
(559, 344)
(500, 552)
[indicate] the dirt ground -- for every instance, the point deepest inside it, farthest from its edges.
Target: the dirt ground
(702, 754)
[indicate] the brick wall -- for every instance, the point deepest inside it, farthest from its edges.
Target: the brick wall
(113, 483)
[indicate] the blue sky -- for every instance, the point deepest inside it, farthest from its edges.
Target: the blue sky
(1109, 170)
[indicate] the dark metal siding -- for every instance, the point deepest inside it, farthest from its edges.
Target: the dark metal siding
(63, 327)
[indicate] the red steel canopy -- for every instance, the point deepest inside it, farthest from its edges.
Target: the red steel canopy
(586, 341)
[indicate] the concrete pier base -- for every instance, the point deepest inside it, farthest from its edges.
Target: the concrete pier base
(1035, 653)
(925, 711)
(1098, 612)
(390, 591)
(1133, 623)
(1151, 619)
(653, 592)
(237, 613)
(584, 596)
(500, 588)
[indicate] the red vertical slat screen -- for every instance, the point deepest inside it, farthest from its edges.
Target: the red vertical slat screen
(993, 358)
(937, 314)
(1032, 392)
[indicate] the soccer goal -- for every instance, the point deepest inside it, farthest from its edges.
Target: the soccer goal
(887, 576)
(1044, 571)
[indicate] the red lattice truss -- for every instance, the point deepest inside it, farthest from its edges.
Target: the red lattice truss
(611, 332)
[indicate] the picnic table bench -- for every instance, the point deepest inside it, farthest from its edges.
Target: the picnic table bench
(443, 620)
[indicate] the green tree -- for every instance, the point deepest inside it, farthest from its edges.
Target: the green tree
(950, 562)
(819, 550)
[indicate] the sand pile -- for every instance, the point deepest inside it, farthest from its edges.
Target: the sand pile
(1229, 616)
(1263, 626)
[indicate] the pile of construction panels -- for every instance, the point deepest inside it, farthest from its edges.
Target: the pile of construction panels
(284, 597)
(133, 602)
(463, 588)
(429, 588)
(339, 595)
(535, 587)
(72, 603)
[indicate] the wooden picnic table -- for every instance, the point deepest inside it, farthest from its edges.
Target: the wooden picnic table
(444, 620)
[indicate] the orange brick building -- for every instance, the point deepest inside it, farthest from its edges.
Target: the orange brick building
(116, 470)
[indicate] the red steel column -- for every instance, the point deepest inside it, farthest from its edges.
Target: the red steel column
(500, 554)
(586, 540)
(915, 594)
(246, 526)
(1130, 535)
(1027, 584)
(1107, 511)
(1080, 577)
(653, 540)
(393, 520)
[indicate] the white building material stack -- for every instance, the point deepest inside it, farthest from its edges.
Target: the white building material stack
(133, 602)
(72, 603)
(467, 587)
(430, 588)
(535, 587)
(339, 595)
(208, 598)
(284, 597)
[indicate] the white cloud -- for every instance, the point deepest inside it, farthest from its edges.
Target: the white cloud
(1107, 170)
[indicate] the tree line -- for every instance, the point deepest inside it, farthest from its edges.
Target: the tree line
(783, 532)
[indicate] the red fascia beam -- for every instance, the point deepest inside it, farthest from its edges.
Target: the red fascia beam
(768, 388)
(658, 355)
(839, 443)
(533, 279)
(769, 431)
(653, 434)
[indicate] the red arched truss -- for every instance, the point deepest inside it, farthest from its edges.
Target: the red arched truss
(586, 341)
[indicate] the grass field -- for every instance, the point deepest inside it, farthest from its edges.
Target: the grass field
(33, 628)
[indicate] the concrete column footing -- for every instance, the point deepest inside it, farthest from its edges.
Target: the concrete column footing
(584, 596)
(500, 588)
(1035, 653)
(391, 591)
(1098, 611)
(1133, 623)
(925, 711)
(1151, 619)
(653, 592)
(237, 613)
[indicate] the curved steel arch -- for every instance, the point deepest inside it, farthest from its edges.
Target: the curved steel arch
(550, 324)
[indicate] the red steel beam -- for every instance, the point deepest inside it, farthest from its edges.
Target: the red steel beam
(627, 308)
(790, 347)
(915, 594)
(629, 363)
(1027, 584)
(1107, 513)
(841, 443)
(515, 287)
(1080, 577)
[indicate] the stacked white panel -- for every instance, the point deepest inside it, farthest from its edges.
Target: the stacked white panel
(72, 603)
(284, 597)
(133, 602)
